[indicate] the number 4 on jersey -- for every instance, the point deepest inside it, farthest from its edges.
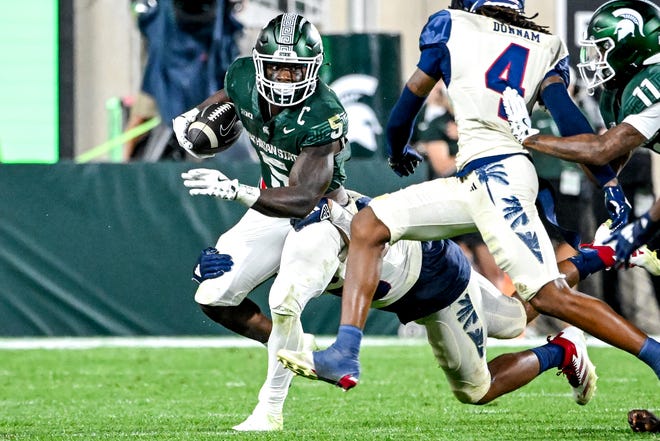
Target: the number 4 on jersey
(508, 70)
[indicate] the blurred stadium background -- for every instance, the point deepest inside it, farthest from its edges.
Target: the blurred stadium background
(92, 245)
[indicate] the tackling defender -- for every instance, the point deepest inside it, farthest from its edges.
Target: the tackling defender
(621, 53)
(298, 128)
(496, 184)
(433, 284)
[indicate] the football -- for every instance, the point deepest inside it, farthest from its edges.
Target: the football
(216, 128)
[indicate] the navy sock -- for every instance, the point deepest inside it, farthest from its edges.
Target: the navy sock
(650, 354)
(549, 355)
(348, 340)
(587, 262)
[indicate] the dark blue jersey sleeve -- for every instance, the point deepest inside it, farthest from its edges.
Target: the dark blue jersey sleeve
(444, 276)
(434, 58)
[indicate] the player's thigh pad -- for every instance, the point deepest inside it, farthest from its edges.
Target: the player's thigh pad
(309, 261)
(502, 203)
(255, 245)
(505, 316)
(427, 211)
(457, 335)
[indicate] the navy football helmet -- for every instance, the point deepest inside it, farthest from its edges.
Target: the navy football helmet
(473, 5)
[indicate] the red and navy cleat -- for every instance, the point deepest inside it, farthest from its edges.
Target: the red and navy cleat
(579, 370)
(303, 363)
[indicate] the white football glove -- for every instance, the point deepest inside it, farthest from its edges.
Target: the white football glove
(517, 114)
(207, 182)
(180, 125)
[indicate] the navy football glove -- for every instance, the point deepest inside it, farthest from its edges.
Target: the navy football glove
(405, 162)
(633, 236)
(320, 213)
(211, 264)
(617, 206)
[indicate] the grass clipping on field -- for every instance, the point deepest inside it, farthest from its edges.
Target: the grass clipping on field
(200, 393)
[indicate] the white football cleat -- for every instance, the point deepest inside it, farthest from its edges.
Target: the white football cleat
(261, 422)
(309, 343)
(299, 362)
(302, 363)
(579, 370)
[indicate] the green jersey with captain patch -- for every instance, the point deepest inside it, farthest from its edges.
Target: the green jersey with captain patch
(317, 121)
(641, 92)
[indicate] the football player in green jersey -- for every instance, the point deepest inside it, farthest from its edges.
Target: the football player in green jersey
(621, 53)
(298, 128)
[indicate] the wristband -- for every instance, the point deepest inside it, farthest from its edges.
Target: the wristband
(247, 195)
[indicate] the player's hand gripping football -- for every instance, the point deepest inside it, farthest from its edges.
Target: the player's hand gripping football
(208, 182)
(517, 114)
(180, 126)
(405, 162)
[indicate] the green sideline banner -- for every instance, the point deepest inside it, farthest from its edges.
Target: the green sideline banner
(364, 71)
(29, 82)
(108, 249)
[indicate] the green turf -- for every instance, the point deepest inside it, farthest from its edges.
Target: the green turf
(198, 394)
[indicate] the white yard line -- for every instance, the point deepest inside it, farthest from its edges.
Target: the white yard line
(226, 342)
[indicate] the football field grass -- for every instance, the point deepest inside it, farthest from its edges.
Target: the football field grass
(144, 393)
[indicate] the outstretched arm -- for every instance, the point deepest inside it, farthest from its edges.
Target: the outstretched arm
(613, 146)
(589, 148)
(308, 181)
(402, 157)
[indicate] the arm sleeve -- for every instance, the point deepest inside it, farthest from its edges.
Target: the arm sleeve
(570, 121)
(401, 120)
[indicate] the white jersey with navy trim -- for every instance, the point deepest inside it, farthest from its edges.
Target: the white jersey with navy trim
(417, 278)
(484, 57)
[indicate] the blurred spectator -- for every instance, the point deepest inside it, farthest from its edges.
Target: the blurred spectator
(435, 135)
(189, 45)
(632, 292)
